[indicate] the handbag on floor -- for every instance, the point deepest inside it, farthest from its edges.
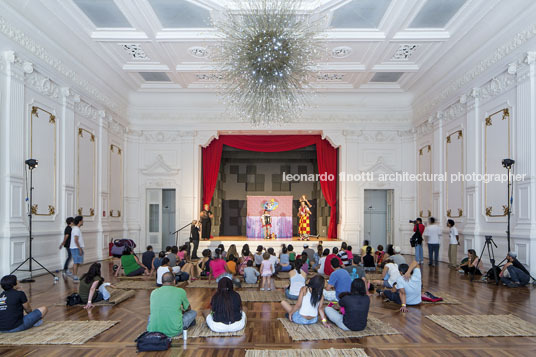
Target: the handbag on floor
(152, 341)
(73, 299)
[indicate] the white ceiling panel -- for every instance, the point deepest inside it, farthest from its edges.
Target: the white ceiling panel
(180, 14)
(360, 14)
(436, 13)
(103, 13)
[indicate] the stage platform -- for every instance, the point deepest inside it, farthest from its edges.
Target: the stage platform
(239, 241)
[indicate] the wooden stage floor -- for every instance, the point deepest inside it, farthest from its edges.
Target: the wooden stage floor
(244, 238)
(420, 337)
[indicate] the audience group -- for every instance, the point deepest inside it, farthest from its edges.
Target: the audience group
(337, 277)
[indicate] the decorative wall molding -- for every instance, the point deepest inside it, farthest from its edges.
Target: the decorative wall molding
(159, 168)
(498, 85)
(43, 85)
(501, 52)
(199, 52)
(84, 164)
(39, 51)
(454, 138)
(380, 136)
(330, 77)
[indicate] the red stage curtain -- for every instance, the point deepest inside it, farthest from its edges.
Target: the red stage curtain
(326, 158)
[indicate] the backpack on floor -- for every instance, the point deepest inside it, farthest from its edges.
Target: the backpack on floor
(73, 299)
(428, 296)
(152, 341)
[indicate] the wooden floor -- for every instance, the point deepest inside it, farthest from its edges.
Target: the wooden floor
(420, 337)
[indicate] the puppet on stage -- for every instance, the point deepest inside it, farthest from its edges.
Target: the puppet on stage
(266, 219)
(303, 213)
(304, 199)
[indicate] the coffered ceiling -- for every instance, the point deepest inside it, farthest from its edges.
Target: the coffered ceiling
(389, 46)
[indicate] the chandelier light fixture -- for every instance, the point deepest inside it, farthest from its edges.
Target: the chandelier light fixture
(268, 54)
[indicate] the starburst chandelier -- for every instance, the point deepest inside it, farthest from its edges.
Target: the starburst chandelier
(267, 55)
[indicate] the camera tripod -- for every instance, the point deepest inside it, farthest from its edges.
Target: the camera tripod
(488, 245)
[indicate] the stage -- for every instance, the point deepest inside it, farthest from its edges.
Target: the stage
(239, 241)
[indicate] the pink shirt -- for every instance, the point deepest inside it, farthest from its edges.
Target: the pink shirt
(181, 255)
(218, 267)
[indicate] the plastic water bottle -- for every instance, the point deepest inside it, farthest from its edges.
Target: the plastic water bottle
(184, 335)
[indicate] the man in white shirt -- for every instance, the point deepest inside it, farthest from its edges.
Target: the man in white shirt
(407, 289)
(454, 242)
(433, 232)
(77, 245)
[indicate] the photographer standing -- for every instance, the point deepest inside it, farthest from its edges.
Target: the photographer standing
(416, 240)
(194, 237)
(433, 232)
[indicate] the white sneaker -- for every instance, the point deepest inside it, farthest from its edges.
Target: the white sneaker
(262, 289)
(269, 289)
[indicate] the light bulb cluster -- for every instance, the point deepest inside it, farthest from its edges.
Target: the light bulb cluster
(268, 53)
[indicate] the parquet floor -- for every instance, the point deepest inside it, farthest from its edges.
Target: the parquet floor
(420, 337)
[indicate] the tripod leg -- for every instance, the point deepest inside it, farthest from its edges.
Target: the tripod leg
(21, 264)
(48, 271)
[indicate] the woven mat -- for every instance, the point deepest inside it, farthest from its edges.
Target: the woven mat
(373, 276)
(447, 299)
(332, 352)
(266, 296)
(117, 296)
(375, 327)
(484, 325)
(285, 275)
(201, 330)
(136, 284)
(139, 277)
(205, 284)
(57, 333)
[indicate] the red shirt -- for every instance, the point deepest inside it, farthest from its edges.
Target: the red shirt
(421, 228)
(328, 269)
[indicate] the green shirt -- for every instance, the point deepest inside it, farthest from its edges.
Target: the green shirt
(129, 263)
(84, 288)
(292, 256)
(167, 303)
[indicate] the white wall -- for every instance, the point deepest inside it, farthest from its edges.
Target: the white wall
(72, 138)
(480, 149)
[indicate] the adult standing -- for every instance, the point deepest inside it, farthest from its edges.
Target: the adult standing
(418, 229)
(77, 245)
(304, 228)
(433, 232)
(67, 244)
(206, 221)
(194, 236)
(454, 242)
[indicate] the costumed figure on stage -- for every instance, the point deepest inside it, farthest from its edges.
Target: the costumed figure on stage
(206, 221)
(304, 228)
(304, 198)
(266, 219)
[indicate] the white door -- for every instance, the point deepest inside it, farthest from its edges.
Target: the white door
(376, 227)
(154, 218)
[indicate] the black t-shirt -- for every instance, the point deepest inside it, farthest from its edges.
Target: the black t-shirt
(67, 230)
(147, 259)
(11, 310)
(206, 217)
(368, 261)
(356, 311)
(218, 309)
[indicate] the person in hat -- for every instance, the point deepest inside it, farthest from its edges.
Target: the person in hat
(514, 274)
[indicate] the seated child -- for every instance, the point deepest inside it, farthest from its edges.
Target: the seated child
(250, 273)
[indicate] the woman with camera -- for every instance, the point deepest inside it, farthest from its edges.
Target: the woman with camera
(416, 240)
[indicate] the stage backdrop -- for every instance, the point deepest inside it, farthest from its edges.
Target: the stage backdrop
(326, 159)
(281, 216)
